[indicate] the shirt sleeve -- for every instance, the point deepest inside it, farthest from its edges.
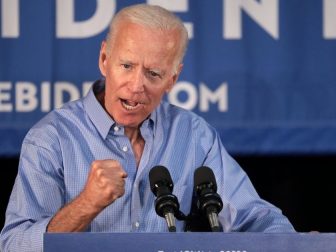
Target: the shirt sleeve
(37, 194)
(243, 209)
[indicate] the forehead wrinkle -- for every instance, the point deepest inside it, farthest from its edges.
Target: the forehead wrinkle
(151, 57)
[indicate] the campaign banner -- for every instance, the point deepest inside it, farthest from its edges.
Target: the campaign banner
(262, 72)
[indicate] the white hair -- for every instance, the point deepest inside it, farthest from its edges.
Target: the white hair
(151, 16)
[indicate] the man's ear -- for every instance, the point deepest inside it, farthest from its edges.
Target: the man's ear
(175, 77)
(103, 58)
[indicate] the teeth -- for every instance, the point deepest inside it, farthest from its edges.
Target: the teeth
(129, 105)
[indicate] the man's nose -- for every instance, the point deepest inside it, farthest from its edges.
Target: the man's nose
(137, 85)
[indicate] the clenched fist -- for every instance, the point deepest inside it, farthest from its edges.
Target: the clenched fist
(105, 183)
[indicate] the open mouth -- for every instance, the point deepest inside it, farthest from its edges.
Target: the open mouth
(130, 105)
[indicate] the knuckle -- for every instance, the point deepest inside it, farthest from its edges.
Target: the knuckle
(115, 163)
(95, 164)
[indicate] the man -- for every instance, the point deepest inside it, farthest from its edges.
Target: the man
(85, 167)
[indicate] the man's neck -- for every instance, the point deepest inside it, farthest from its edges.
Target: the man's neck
(132, 133)
(137, 142)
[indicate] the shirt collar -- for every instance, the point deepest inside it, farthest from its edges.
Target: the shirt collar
(97, 114)
(100, 118)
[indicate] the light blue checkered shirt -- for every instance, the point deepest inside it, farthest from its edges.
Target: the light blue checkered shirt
(58, 151)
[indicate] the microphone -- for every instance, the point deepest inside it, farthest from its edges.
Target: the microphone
(166, 204)
(208, 202)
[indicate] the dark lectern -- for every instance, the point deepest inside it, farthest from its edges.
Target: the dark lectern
(189, 242)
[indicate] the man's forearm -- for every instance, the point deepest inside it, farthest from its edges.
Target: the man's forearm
(74, 217)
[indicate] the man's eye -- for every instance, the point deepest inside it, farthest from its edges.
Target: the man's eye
(154, 74)
(126, 66)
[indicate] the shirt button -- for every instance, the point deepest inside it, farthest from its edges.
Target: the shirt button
(125, 148)
(116, 128)
(137, 224)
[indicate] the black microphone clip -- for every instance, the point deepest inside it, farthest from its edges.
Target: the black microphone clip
(206, 203)
(166, 203)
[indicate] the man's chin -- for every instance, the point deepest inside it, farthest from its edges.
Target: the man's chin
(130, 123)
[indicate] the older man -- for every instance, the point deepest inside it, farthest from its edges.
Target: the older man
(85, 167)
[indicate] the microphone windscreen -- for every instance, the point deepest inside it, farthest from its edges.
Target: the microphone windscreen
(204, 175)
(159, 175)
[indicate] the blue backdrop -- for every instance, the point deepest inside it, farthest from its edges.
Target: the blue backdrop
(263, 72)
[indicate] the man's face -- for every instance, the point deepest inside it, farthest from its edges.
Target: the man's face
(138, 69)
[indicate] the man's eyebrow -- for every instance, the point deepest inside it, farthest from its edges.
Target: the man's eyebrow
(155, 69)
(125, 61)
